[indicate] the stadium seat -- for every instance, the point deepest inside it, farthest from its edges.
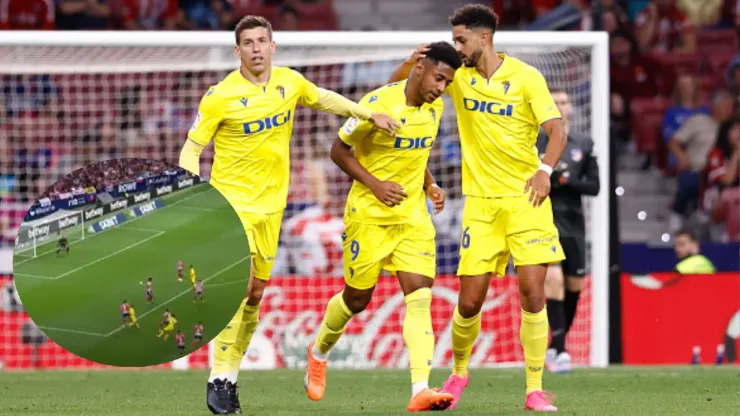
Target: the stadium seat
(717, 63)
(716, 41)
(647, 117)
(678, 62)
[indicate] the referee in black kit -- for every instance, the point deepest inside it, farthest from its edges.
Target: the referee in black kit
(576, 175)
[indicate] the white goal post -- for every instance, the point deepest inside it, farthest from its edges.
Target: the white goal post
(32, 235)
(73, 53)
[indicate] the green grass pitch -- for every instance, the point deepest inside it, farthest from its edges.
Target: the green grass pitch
(631, 391)
(76, 298)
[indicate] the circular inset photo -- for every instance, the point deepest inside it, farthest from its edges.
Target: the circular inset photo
(131, 262)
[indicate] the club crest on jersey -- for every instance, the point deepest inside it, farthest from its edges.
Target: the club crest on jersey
(403, 120)
(243, 101)
(506, 85)
(373, 99)
(434, 114)
(282, 92)
(472, 82)
(576, 155)
(351, 125)
(210, 91)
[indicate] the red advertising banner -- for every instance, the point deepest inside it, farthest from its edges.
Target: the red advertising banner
(666, 315)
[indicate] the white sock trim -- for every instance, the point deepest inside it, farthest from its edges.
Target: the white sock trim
(321, 356)
(417, 387)
(231, 376)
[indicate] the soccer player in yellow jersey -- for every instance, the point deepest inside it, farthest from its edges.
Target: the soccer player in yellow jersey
(249, 116)
(501, 102)
(387, 225)
(167, 330)
(192, 275)
(132, 317)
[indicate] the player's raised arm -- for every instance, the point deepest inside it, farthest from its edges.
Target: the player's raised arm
(329, 101)
(354, 130)
(547, 115)
(403, 70)
(204, 127)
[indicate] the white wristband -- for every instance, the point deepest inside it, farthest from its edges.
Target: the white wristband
(546, 168)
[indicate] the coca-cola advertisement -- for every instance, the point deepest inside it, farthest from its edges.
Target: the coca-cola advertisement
(668, 318)
(293, 307)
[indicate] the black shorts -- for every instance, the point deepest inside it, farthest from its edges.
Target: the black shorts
(574, 249)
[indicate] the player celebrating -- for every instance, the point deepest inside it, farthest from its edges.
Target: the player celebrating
(500, 103)
(192, 275)
(168, 328)
(249, 115)
(198, 292)
(577, 175)
(149, 293)
(132, 317)
(125, 313)
(180, 340)
(179, 270)
(197, 335)
(387, 225)
(62, 244)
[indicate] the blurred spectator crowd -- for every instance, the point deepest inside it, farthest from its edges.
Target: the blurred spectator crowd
(675, 81)
(100, 176)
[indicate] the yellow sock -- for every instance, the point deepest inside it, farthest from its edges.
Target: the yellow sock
(232, 341)
(464, 333)
(335, 319)
(533, 334)
(418, 333)
(160, 333)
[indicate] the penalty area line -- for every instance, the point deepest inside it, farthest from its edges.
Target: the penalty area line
(34, 276)
(73, 331)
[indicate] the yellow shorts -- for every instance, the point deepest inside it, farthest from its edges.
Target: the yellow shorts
(496, 228)
(169, 328)
(369, 248)
(263, 232)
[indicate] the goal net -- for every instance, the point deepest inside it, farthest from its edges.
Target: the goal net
(78, 98)
(39, 237)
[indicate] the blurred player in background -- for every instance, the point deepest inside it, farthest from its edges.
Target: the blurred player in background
(62, 245)
(180, 340)
(198, 292)
(192, 275)
(576, 175)
(387, 225)
(179, 270)
(132, 317)
(197, 335)
(125, 313)
(165, 318)
(249, 115)
(167, 330)
(500, 103)
(149, 293)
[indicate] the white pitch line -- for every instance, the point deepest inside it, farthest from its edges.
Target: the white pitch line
(116, 228)
(35, 276)
(109, 255)
(140, 317)
(227, 283)
(201, 209)
(48, 328)
(146, 230)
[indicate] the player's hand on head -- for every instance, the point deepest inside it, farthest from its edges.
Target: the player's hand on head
(419, 53)
(538, 188)
(389, 193)
(438, 196)
(385, 122)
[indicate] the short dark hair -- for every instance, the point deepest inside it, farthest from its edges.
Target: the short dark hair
(250, 22)
(688, 233)
(554, 90)
(444, 52)
(475, 16)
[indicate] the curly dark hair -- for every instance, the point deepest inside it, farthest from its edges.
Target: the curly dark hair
(475, 16)
(444, 52)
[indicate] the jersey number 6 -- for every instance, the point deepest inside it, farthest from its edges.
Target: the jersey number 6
(466, 238)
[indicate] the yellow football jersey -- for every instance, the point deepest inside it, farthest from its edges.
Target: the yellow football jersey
(251, 126)
(132, 312)
(172, 322)
(498, 119)
(401, 159)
